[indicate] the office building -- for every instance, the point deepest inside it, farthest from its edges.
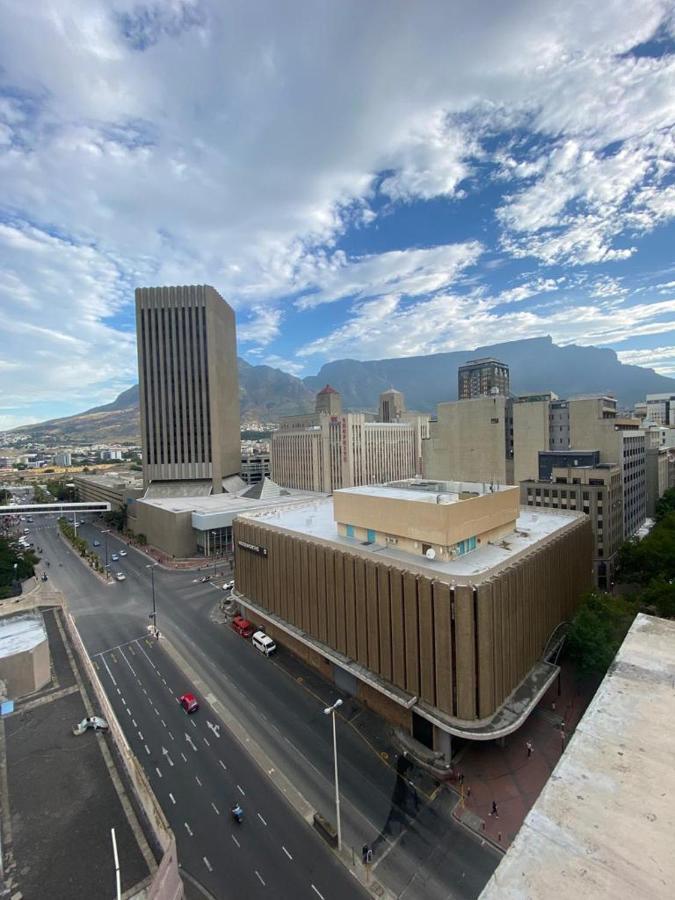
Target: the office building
(189, 393)
(392, 406)
(660, 409)
(118, 488)
(63, 458)
(482, 377)
(587, 486)
(436, 603)
(471, 440)
(327, 451)
(112, 454)
(255, 467)
(657, 463)
(566, 459)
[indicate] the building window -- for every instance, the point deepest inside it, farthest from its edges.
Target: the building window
(371, 536)
(350, 531)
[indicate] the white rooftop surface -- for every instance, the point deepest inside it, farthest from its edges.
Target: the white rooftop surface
(316, 520)
(436, 498)
(603, 825)
(20, 633)
(214, 503)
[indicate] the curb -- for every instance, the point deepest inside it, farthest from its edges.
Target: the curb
(479, 834)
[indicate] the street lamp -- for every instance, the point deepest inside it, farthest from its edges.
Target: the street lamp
(105, 539)
(153, 615)
(213, 534)
(330, 711)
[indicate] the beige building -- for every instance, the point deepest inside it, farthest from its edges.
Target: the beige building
(482, 377)
(531, 433)
(328, 402)
(188, 382)
(391, 406)
(470, 441)
(24, 654)
(595, 491)
(657, 467)
(455, 642)
(118, 488)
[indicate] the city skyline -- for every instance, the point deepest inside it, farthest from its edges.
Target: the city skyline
(520, 188)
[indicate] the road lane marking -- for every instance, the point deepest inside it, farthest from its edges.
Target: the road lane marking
(164, 680)
(215, 807)
(190, 742)
(314, 888)
(262, 820)
(156, 710)
(260, 878)
(134, 723)
(235, 840)
(188, 829)
(128, 711)
(124, 701)
(165, 752)
(171, 736)
(163, 722)
(144, 691)
(207, 864)
(193, 723)
(118, 690)
(207, 743)
(286, 852)
(158, 772)
(184, 757)
(141, 736)
(111, 674)
(147, 749)
(222, 764)
(128, 663)
(147, 657)
(198, 781)
(241, 790)
(172, 798)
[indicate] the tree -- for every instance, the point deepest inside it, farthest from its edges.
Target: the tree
(600, 625)
(665, 504)
(5, 496)
(117, 518)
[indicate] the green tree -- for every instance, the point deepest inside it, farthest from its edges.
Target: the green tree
(597, 630)
(116, 518)
(11, 554)
(5, 496)
(665, 504)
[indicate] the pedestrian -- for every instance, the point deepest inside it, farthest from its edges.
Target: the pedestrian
(461, 777)
(364, 853)
(494, 810)
(528, 746)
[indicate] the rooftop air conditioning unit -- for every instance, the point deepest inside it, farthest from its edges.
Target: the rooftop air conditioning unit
(430, 553)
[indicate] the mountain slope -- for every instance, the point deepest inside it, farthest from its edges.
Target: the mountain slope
(536, 364)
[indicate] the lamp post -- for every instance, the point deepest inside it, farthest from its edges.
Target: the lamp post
(213, 535)
(105, 540)
(152, 566)
(330, 711)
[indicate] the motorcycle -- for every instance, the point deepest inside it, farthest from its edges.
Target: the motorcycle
(238, 814)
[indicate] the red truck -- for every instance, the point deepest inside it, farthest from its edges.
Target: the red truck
(242, 626)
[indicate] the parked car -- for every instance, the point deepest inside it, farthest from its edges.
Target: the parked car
(228, 586)
(123, 552)
(115, 557)
(95, 723)
(189, 703)
(263, 643)
(242, 626)
(121, 576)
(97, 543)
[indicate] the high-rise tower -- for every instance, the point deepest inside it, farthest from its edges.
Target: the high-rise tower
(482, 377)
(189, 388)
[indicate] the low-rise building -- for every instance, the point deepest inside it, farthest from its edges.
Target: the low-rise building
(255, 467)
(119, 488)
(63, 458)
(438, 604)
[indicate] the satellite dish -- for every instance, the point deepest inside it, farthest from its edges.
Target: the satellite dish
(431, 553)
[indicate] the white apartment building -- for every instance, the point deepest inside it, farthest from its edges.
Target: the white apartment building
(661, 409)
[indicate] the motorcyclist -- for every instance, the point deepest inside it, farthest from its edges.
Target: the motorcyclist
(237, 811)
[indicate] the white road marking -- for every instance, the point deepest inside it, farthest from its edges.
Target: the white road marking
(145, 692)
(222, 764)
(235, 840)
(111, 674)
(198, 781)
(158, 772)
(314, 888)
(164, 680)
(261, 819)
(156, 710)
(214, 728)
(241, 790)
(184, 757)
(190, 742)
(171, 736)
(172, 798)
(134, 722)
(127, 662)
(286, 852)
(215, 807)
(188, 829)
(146, 655)
(124, 701)
(207, 743)
(163, 722)
(119, 691)
(147, 749)
(193, 723)
(207, 864)
(168, 758)
(261, 879)
(128, 711)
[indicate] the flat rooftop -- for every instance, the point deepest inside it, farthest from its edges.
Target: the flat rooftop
(437, 493)
(215, 503)
(315, 520)
(21, 632)
(603, 824)
(113, 477)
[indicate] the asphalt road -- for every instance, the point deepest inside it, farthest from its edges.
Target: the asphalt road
(280, 714)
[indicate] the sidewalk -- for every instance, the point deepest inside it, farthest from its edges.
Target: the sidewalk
(506, 775)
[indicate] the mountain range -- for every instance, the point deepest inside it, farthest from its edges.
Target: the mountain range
(266, 393)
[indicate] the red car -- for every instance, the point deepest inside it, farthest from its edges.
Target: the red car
(189, 703)
(242, 626)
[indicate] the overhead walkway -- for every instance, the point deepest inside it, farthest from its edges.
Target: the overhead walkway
(50, 509)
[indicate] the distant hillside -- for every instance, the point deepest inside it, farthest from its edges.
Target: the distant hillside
(536, 364)
(267, 393)
(264, 392)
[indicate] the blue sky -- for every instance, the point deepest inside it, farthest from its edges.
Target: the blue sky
(357, 180)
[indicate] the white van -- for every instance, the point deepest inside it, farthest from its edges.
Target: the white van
(263, 642)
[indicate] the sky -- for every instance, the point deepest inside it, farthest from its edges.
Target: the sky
(359, 180)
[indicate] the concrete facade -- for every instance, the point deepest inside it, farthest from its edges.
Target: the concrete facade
(482, 377)
(451, 643)
(188, 383)
(391, 406)
(116, 488)
(531, 433)
(597, 492)
(469, 441)
(24, 654)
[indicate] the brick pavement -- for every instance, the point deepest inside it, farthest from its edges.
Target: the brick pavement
(503, 772)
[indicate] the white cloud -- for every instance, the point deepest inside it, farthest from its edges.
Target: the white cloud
(662, 359)
(262, 326)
